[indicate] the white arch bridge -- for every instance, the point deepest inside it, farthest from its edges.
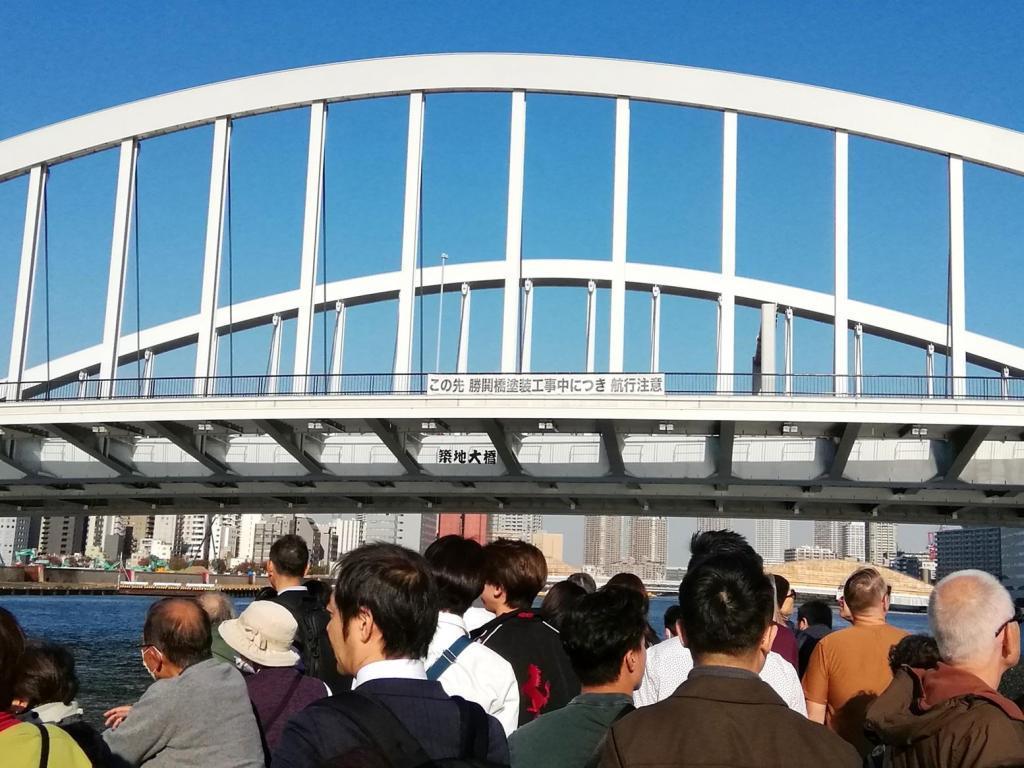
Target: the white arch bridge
(845, 444)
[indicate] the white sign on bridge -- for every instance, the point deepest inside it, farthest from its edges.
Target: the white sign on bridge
(545, 385)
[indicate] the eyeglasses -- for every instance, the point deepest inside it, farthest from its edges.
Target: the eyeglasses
(1018, 618)
(792, 593)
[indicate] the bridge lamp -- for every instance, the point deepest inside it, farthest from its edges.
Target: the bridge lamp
(918, 431)
(790, 429)
(666, 427)
(99, 429)
(546, 426)
(204, 426)
(315, 426)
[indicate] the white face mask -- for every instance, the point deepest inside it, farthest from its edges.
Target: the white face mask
(144, 664)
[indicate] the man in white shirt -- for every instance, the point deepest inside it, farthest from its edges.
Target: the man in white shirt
(383, 615)
(470, 670)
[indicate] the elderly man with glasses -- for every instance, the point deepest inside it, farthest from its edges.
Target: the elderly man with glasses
(196, 712)
(953, 715)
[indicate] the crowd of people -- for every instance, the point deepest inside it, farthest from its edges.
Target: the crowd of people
(416, 660)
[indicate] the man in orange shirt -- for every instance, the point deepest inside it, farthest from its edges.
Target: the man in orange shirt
(849, 668)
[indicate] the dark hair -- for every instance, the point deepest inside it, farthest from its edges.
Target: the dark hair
(179, 629)
(781, 589)
(518, 568)
(457, 565)
(559, 601)
(585, 580)
(47, 675)
(672, 615)
(396, 586)
(290, 556)
(918, 651)
(600, 629)
(727, 603)
(865, 589)
(319, 591)
(709, 543)
(815, 612)
(12, 646)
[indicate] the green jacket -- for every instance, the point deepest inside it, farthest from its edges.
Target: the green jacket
(568, 737)
(20, 746)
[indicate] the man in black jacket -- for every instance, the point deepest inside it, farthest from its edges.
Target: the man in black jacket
(383, 612)
(288, 566)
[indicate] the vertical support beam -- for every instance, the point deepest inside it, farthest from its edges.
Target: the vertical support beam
(338, 343)
(929, 369)
(274, 364)
(591, 323)
(147, 373)
(462, 364)
(620, 211)
(768, 320)
(1004, 384)
(655, 329)
(511, 349)
(206, 348)
(410, 236)
(957, 282)
(524, 362)
(123, 199)
(788, 351)
(840, 313)
(858, 357)
(727, 300)
(26, 279)
(310, 241)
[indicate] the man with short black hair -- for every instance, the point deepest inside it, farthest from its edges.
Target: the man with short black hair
(383, 614)
(583, 579)
(286, 569)
(672, 622)
(603, 634)
(731, 717)
(813, 622)
(197, 711)
(850, 667)
(465, 668)
(514, 574)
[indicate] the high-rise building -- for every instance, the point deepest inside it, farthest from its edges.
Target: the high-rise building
(428, 531)
(882, 543)
(830, 534)
(713, 524)
(771, 540)
(515, 526)
(978, 548)
(14, 534)
(272, 527)
(602, 543)
(63, 534)
(809, 552)
(191, 538)
(471, 526)
(853, 541)
(645, 548)
(402, 529)
(105, 537)
(341, 535)
(1012, 556)
(246, 537)
(551, 544)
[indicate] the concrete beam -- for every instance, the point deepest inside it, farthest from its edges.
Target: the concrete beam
(965, 444)
(96, 446)
(184, 439)
(387, 434)
(843, 449)
(499, 439)
(612, 449)
(723, 460)
(292, 442)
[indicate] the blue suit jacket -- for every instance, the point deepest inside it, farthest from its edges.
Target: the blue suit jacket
(321, 732)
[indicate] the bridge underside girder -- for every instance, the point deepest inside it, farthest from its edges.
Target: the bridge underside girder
(938, 462)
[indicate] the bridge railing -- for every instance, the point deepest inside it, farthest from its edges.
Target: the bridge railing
(390, 384)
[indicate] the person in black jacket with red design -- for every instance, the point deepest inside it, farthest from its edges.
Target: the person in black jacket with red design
(514, 574)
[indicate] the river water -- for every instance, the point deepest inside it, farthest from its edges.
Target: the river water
(105, 631)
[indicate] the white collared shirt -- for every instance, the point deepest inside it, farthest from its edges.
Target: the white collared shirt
(390, 669)
(669, 664)
(299, 588)
(478, 674)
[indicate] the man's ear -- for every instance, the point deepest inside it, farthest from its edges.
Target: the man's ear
(768, 638)
(682, 632)
(365, 625)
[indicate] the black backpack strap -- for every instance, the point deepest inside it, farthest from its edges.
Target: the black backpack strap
(44, 747)
(474, 729)
(448, 657)
(381, 729)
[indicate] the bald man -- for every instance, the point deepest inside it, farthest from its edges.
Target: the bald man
(953, 714)
(197, 710)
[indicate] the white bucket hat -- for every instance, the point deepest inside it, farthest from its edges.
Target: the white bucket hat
(263, 634)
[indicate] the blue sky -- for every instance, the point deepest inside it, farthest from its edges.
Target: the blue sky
(65, 59)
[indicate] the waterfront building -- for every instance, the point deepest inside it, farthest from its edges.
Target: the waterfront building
(809, 552)
(854, 542)
(63, 534)
(602, 543)
(272, 527)
(979, 548)
(341, 535)
(515, 526)
(14, 533)
(105, 537)
(881, 543)
(713, 524)
(1012, 556)
(908, 563)
(402, 529)
(646, 548)
(771, 540)
(830, 534)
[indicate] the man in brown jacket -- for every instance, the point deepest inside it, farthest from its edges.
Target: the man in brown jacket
(724, 714)
(952, 715)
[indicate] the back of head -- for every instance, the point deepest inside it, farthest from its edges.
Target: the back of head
(600, 629)
(559, 601)
(727, 603)
(672, 616)
(629, 581)
(815, 612)
(217, 605)
(290, 556)
(864, 591)
(47, 675)
(179, 629)
(781, 589)
(584, 580)
(518, 567)
(457, 565)
(12, 646)
(396, 586)
(319, 591)
(709, 543)
(917, 651)
(965, 611)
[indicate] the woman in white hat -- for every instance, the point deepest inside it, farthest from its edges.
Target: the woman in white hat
(262, 638)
